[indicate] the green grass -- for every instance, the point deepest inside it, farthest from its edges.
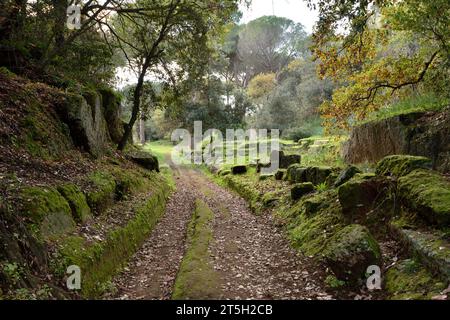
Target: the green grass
(161, 149)
(308, 127)
(415, 103)
(329, 156)
(196, 278)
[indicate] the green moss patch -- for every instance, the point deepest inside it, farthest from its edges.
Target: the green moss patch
(427, 193)
(116, 183)
(41, 132)
(432, 247)
(363, 195)
(103, 191)
(129, 182)
(409, 280)
(196, 278)
(401, 165)
(48, 210)
(312, 221)
(260, 194)
(246, 189)
(350, 251)
(77, 202)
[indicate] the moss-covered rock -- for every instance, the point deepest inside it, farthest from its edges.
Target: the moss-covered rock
(350, 251)
(427, 193)
(409, 280)
(269, 199)
(285, 160)
(315, 175)
(239, 169)
(401, 165)
(280, 174)
(77, 202)
(346, 175)
(129, 181)
(295, 172)
(48, 210)
(85, 119)
(111, 111)
(144, 159)
(432, 247)
(319, 202)
(362, 195)
(103, 191)
(312, 221)
(301, 189)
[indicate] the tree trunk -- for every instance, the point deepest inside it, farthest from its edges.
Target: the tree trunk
(136, 105)
(142, 131)
(59, 12)
(137, 136)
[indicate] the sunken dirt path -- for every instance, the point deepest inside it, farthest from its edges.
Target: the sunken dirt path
(249, 254)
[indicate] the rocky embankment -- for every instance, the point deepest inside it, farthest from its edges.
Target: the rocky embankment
(396, 218)
(66, 197)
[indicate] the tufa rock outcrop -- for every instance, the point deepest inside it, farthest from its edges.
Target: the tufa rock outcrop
(86, 123)
(420, 133)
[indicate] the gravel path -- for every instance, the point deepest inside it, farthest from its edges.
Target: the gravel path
(250, 255)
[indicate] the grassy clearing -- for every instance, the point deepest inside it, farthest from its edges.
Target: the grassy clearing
(196, 278)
